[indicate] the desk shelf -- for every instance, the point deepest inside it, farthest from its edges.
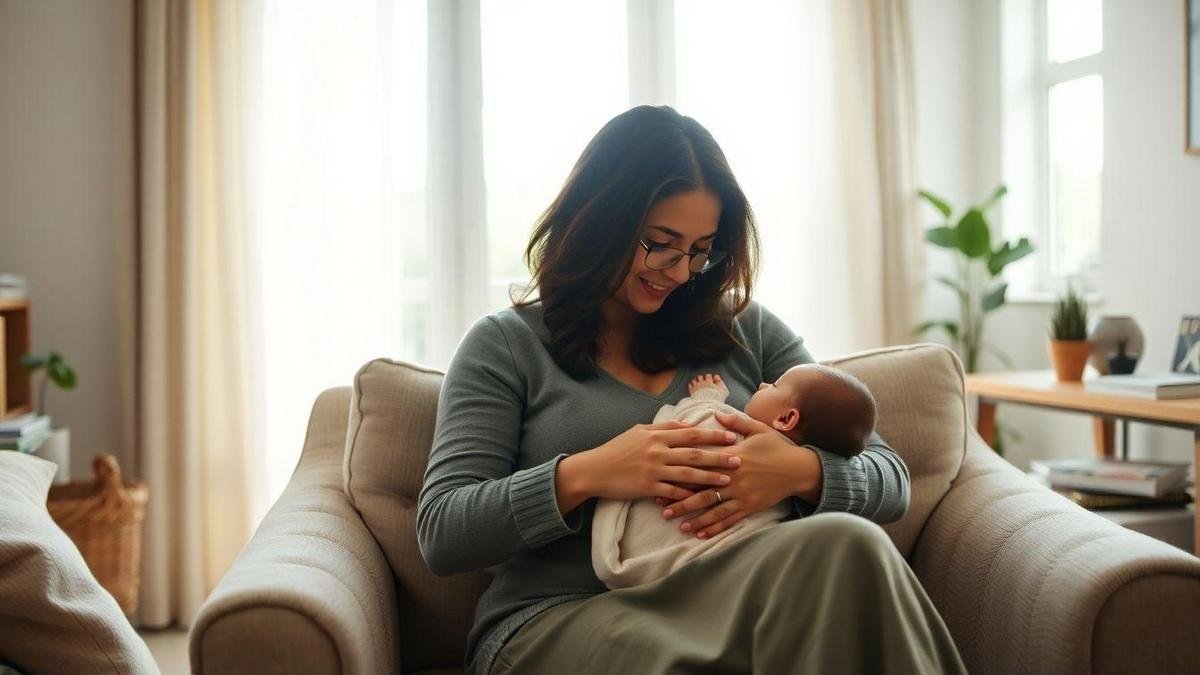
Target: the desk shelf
(16, 385)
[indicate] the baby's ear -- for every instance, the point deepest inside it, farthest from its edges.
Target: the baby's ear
(787, 421)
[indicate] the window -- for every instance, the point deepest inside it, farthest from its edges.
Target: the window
(405, 149)
(1054, 138)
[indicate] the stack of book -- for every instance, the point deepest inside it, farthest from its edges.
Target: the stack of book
(13, 286)
(1114, 484)
(1161, 386)
(25, 433)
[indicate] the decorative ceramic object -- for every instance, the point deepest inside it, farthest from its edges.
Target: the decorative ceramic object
(1070, 357)
(57, 449)
(1107, 334)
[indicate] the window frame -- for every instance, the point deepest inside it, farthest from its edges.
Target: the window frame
(1048, 75)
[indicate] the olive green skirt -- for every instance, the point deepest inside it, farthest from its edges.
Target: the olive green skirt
(824, 594)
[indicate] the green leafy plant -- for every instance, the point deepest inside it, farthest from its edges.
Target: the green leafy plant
(57, 371)
(979, 262)
(1069, 321)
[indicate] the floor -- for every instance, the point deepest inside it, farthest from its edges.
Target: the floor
(170, 650)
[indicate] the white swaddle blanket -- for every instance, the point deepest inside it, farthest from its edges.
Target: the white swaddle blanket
(632, 544)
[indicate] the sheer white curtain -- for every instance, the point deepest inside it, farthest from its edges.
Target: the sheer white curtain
(339, 202)
(811, 103)
(403, 151)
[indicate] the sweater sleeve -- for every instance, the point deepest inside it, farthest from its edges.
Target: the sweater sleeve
(475, 508)
(873, 484)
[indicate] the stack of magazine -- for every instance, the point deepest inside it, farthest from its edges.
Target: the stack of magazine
(1114, 484)
(25, 433)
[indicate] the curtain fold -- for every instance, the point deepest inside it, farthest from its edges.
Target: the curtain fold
(877, 120)
(195, 439)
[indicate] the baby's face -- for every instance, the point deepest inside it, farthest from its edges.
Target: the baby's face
(774, 399)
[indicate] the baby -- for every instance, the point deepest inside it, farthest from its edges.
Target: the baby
(811, 404)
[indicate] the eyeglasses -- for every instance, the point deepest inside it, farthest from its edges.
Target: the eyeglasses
(659, 257)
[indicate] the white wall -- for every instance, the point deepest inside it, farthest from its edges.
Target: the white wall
(1151, 221)
(67, 195)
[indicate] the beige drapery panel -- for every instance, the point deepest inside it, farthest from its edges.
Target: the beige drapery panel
(877, 119)
(194, 321)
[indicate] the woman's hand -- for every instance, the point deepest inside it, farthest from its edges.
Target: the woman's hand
(645, 461)
(773, 469)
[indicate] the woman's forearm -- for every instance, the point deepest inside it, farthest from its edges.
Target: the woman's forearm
(571, 485)
(810, 476)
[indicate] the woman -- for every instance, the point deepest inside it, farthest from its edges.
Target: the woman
(643, 266)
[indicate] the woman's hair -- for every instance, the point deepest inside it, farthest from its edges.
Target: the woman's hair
(583, 245)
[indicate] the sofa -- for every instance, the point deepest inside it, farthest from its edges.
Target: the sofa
(333, 582)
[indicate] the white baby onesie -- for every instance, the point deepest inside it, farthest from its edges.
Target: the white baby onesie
(632, 544)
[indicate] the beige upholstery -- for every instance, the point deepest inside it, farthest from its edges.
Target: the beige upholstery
(384, 489)
(311, 592)
(1025, 580)
(54, 616)
(923, 415)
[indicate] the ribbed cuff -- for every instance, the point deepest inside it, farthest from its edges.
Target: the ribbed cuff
(535, 505)
(842, 489)
(714, 394)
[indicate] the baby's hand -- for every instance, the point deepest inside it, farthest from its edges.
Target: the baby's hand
(707, 381)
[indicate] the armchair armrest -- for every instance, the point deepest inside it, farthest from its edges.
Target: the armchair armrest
(1027, 581)
(312, 591)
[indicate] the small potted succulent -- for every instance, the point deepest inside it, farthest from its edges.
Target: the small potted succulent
(1069, 347)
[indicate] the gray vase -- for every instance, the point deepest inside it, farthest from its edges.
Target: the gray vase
(1107, 332)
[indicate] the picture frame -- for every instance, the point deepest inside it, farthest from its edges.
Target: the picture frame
(1191, 57)
(1187, 346)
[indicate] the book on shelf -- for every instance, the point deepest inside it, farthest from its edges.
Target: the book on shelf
(26, 444)
(23, 425)
(1102, 500)
(1159, 386)
(1148, 479)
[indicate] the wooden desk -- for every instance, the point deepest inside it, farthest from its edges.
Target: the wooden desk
(1040, 388)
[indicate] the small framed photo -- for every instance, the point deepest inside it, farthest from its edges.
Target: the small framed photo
(1187, 349)
(1191, 45)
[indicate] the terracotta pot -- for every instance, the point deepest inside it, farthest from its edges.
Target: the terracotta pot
(1070, 358)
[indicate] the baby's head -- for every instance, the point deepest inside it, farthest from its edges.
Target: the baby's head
(817, 405)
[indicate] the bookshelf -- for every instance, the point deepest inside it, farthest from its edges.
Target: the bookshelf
(16, 386)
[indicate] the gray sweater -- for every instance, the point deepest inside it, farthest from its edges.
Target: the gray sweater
(507, 414)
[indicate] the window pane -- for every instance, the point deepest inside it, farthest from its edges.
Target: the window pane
(339, 164)
(1074, 29)
(553, 73)
(1076, 136)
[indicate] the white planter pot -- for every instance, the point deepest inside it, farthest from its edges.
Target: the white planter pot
(57, 449)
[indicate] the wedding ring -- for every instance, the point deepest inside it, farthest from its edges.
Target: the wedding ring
(719, 500)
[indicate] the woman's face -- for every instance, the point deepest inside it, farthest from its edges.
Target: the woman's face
(686, 221)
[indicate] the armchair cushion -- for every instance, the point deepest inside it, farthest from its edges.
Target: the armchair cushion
(922, 414)
(392, 412)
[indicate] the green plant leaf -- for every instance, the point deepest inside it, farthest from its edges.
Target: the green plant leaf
(1007, 255)
(938, 203)
(942, 236)
(972, 235)
(950, 327)
(1004, 358)
(994, 298)
(1000, 191)
(953, 285)
(33, 361)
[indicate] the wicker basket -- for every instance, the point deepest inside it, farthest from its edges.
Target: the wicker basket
(103, 517)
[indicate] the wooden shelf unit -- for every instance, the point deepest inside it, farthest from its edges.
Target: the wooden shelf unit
(16, 386)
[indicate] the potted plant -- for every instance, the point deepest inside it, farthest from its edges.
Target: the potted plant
(57, 447)
(1069, 347)
(979, 262)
